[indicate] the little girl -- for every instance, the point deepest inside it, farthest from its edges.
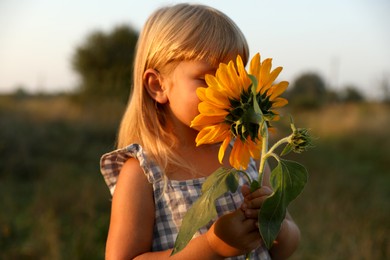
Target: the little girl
(157, 171)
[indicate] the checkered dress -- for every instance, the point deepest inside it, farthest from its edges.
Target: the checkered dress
(174, 201)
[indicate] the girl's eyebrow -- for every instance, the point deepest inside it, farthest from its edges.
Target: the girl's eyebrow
(203, 72)
(206, 69)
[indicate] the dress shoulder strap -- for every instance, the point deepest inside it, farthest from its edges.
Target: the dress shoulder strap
(111, 164)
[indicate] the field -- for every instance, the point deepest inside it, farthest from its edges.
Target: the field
(55, 205)
(344, 210)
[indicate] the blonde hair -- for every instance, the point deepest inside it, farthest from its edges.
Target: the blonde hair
(171, 34)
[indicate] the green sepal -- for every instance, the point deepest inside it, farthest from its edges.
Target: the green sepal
(251, 116)
(256, 106)
(203, 210)
(287, 179)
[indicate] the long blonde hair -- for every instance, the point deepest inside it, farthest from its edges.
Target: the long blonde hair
(177, 33)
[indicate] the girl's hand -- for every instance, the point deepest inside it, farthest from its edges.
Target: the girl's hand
(253, 201)
(233, 234)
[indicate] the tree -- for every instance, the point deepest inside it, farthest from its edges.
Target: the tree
(308, 90)
(352, 94)
(105, 62)
(386, 90)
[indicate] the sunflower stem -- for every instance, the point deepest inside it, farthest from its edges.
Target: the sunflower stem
(264, 151)
(279, 143)
(276, 157)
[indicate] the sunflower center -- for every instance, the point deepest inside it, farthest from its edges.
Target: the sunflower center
(243, 120)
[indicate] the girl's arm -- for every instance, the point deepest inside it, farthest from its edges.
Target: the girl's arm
(130, 234)
(132, 214)
(287, 240)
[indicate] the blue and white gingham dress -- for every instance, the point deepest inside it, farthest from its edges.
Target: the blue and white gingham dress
(172, 203)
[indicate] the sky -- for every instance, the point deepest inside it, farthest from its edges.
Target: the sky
(346, 42)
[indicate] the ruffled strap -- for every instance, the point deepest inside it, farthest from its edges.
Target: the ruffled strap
(111, 164)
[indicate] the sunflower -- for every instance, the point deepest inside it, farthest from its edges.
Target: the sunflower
(227, 110)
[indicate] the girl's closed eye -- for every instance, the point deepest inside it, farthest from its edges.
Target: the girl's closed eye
(202, 79)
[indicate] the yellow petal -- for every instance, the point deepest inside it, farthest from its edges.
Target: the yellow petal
(201, 93)
(234, 83)
(212, 134)
(217, 98)
(255, 65)
(221, 132)
(244, 80)
(274, 74)
(224, 80)
(279, 102)
(211, 81)
(275, 118)
(277, 90)
(264, 88)
(215, 84)
(233, 160)
(239, 157)
(210, 110)
(253, 148)
(222, 76)
(202, 120)
(265, 72)
(223, 147)
(245, 158)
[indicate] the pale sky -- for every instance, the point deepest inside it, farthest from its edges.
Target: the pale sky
(347, 42)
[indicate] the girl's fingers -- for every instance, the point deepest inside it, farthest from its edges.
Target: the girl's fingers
(251, 213)
(254, 200)
(255, 203)
(263, 191)
(245, 190)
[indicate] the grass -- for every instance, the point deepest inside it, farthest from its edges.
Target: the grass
(55, 204)
(53, 199)
(343, 212)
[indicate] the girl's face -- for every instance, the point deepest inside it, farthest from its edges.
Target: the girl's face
(181, 85)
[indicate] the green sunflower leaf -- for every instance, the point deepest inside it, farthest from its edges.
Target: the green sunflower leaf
(287, 180)
(203, 210)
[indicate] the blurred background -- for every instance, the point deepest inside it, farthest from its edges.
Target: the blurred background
(65, 73)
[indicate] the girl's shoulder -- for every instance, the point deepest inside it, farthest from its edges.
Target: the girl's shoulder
(112, 163)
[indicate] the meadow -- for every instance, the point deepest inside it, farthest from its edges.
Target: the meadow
(55, 205)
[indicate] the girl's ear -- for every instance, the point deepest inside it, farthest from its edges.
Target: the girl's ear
(153, 84)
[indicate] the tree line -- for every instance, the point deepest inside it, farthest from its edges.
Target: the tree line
(104, 63)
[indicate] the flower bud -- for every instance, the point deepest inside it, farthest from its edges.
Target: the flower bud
(299, 141)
